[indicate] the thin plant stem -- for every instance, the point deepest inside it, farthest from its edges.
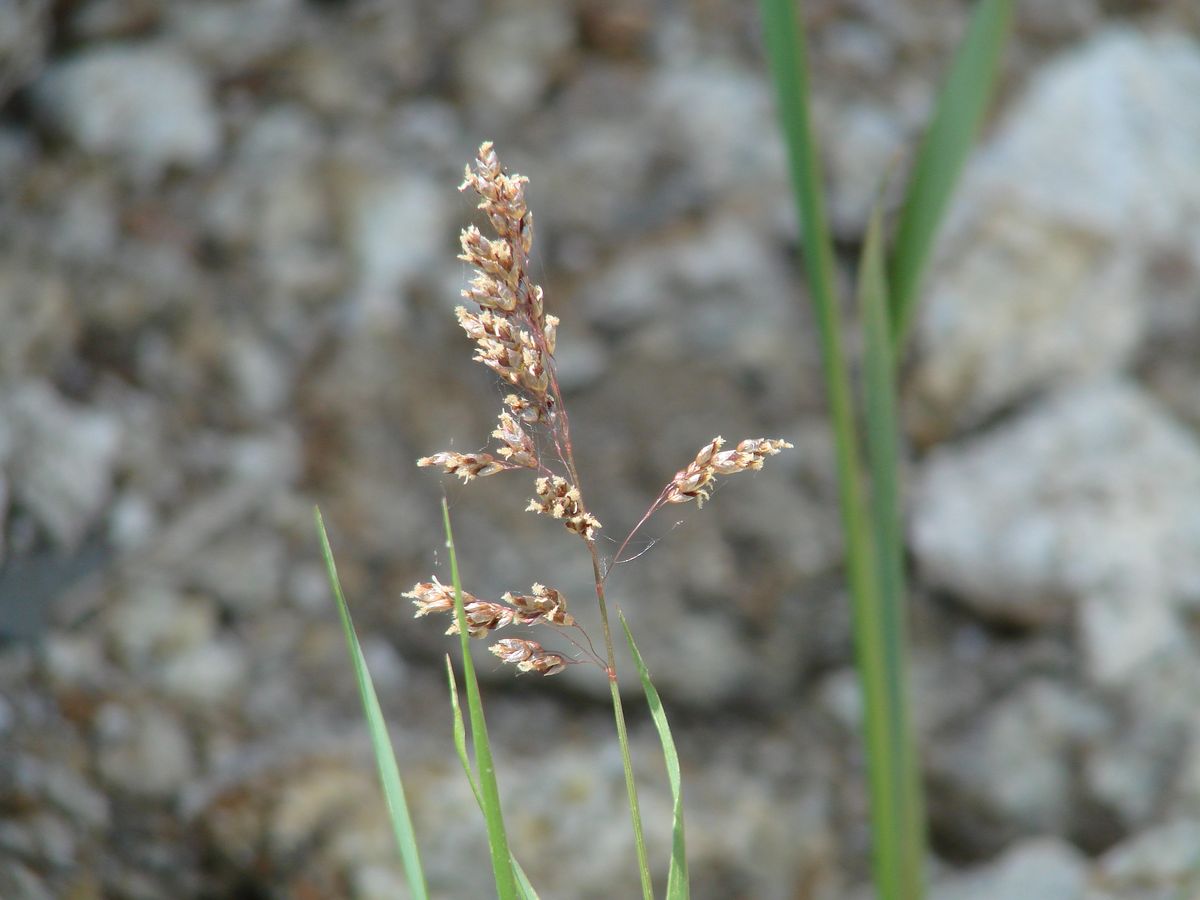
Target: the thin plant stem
(635, 813)
(622, 735)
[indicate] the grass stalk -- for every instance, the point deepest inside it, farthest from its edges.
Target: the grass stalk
(888, 606)
(897, 852)
(635, 812)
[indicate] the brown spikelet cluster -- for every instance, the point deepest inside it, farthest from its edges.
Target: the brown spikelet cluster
(515, 339)
(693, 482)
(558, 498)
(529, 656)
(542, 606)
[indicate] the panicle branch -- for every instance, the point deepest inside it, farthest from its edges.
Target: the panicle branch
(693, 482)
(542, 606)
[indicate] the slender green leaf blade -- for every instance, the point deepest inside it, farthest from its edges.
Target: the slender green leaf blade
(883, 453)
(502, 866)
(460, 733)
(958, 115)
(385, 756)
(677, 874)
(460, 747)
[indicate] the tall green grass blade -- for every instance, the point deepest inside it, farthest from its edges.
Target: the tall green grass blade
(460, 747)
(786, 48)
(677, 874)
(943, 153)
(895, 748)
(385, 756)
(489, 792)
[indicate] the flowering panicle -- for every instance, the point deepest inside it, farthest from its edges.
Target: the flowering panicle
(516, 339)
(693, 482)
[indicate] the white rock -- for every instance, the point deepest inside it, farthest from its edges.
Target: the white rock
(399, 231)
(206, 674)
(720, 119)
(62, 458)
(509, 57)
(147, 105)
(1088, 502)
(1039, 869)
(153, 622)
(1163, 858)
(1038, 275)
(1016, 765)
(143, 750)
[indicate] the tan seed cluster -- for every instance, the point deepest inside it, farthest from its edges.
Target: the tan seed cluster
(557, 497)
(546, 604)
(518, 447)
(513, 336)
(482, 616)
(507, 349)
(543, 606)
(434, 597)
(693, 482)
(529, 656)
(467, 465)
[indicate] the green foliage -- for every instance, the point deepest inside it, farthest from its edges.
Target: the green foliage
(959, 113)
(381, 743)
(677, 873)
(489, 790)
(871, 520)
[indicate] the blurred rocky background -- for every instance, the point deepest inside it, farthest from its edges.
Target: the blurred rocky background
(227, 270)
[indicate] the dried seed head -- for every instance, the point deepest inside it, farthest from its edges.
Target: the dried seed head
(528, 411)
(435, 597)
(466, 465)
(545, 605)
(529, 656)
(693, 482)
(559, 498)
(508, 350)
(483, 616)
(518, 447)
(506, 260)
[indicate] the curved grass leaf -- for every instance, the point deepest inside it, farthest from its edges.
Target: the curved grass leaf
(489, 792)
(381, 743)
(677, 874)
(460, 747)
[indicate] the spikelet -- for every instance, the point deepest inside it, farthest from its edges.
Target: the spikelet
(529, 656)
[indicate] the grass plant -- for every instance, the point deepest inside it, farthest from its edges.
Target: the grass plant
(870, 499)
(516, 339)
